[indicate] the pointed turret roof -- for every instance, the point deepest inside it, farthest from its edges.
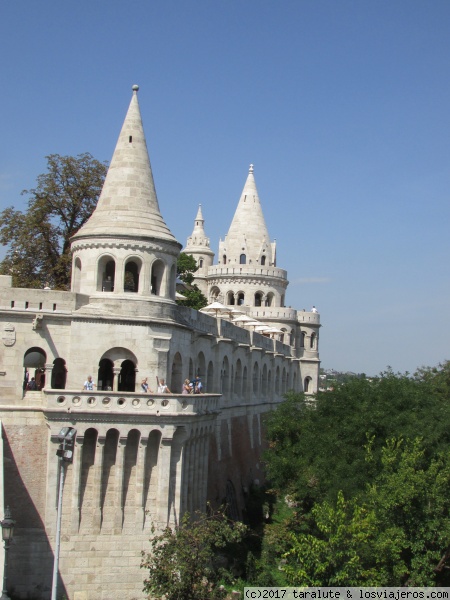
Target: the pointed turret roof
(199, 230)
(128, 205)
(198, 239)
(199, 216)
(248, 228)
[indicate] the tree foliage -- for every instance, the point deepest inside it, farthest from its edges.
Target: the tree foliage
(186, 267)
(394, 533)
(38, 240)
(182, 563)
(369, 498)
(193, 297)
(318, 448)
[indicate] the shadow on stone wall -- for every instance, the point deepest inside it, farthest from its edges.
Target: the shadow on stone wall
(30, 559)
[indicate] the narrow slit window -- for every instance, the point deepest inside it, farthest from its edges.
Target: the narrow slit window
(26, 304)
(54, 307)
(12, 303)
(130, 139)
(40, 305)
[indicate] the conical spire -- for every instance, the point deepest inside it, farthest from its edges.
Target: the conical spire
(199, 231)
(248, 234)
(128, 205)
(198, 239)
(199, 216)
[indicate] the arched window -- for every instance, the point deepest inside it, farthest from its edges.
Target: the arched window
(106, 274)
(209, 383)
(258, 298)
(127, 377)
(200, 263)
(201, 367)
(59, 374)
(224, 259)
(241, 298)
(105, 376)
(238, 378)
(255, 384)
(230, 298)
(242, 259)
(264, 381)
(76, 275)
(263, 260)
(306, 385)
(313, 341)
(176, 380)
(34, 374)
(131, 279)
(225, 376)
(284, 381)
(269, 299)
(157, 277)
(302, 339)
(214, 294)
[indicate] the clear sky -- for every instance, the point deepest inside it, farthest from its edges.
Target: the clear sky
(341, 105)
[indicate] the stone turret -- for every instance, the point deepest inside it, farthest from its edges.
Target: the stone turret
(125, 246)
(247, 241)
(198, 246)
(246, 273)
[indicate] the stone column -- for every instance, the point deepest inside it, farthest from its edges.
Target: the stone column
(176, 473)
(196, 474)
(119, 277)
(186, 477)
(137, 381)
(162, 494)
(116, 373)
(203, 480)
(76, 471)
(140, 476)
(48, 368)
(118, 500)
(97, 485)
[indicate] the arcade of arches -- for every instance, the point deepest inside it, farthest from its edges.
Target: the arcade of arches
(117, 371)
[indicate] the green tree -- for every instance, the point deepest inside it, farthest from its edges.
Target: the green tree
(338, 461)
(337, 551)
(193, 297)
(437, 377)
(317, 448)
(186, 267)
(38, 240)
(182, 562)
(394, 533)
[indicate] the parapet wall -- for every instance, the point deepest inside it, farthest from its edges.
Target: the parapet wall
(31, 300)
(246, 270)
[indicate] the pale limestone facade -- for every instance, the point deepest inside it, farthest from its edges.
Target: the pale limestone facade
(140, 458)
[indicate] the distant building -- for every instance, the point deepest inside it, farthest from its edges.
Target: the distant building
(139, 458)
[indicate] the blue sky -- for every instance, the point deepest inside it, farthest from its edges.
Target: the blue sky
(341, 105)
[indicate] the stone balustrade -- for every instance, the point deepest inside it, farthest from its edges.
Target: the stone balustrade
(128, 403)
(246, 271)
